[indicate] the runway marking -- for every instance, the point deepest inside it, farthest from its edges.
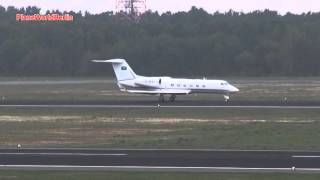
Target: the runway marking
(306, 156)
(63, 154)
(156, 106)
(141, 149)
(164, 168)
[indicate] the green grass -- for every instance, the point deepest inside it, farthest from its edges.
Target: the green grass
(104, 89)
(161, 128)
(76, 175)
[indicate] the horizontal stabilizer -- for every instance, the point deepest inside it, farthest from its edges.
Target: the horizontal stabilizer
(121, 68)
(116, 61)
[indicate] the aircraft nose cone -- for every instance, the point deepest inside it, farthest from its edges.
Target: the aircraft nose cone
(234, 89)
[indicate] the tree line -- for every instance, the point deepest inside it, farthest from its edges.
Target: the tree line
(193, 43)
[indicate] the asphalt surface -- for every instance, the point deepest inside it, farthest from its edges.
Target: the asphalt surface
(39, 106)
(169, 159)
(192, 103)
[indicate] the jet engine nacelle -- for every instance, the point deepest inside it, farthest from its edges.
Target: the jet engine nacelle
(149, 82)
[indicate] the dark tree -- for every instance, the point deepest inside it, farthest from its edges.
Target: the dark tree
(194, 43)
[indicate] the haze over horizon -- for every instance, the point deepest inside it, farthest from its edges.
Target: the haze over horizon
(211, 6)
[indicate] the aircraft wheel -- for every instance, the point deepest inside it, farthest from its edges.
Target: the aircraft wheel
(161, 98)
(172, 98)
(226, 98)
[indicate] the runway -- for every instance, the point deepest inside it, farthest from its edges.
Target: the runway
(306, 104)
(153, 106)
(165, 160)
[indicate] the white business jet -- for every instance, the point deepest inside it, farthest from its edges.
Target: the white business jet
(130, 82)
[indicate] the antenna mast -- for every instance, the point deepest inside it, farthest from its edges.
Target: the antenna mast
(131, 8)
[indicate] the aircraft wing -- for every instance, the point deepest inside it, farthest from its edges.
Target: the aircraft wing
(161, 91)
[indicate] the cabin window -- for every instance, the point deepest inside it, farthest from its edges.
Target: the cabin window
(191, 85)
(123, 68)
(184, 85)
(222, 84)
(172, 85)
(178, 85)
(197, 85)
(203, 86)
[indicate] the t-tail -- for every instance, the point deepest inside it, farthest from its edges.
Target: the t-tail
(121, 68)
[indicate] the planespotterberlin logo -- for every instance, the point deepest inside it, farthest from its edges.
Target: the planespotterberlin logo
(47, 17)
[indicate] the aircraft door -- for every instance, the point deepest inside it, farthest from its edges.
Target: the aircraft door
(161, 83)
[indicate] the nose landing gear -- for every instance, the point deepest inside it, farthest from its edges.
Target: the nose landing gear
(226, 98)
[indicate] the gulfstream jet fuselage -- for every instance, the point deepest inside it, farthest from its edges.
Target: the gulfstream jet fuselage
(130, 82)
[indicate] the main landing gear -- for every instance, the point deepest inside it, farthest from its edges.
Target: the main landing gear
(172, 98)
(161, 98)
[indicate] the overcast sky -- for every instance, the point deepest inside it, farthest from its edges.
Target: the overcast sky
(98, 6)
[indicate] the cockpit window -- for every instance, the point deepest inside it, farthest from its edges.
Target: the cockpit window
(123, 68)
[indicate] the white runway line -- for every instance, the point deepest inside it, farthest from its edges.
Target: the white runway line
(306, 156)
(174, 149)
(79, 106)
(63, 154)
(155, 106)
(253, 107)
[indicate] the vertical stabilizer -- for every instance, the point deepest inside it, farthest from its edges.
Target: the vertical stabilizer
(121, 68)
